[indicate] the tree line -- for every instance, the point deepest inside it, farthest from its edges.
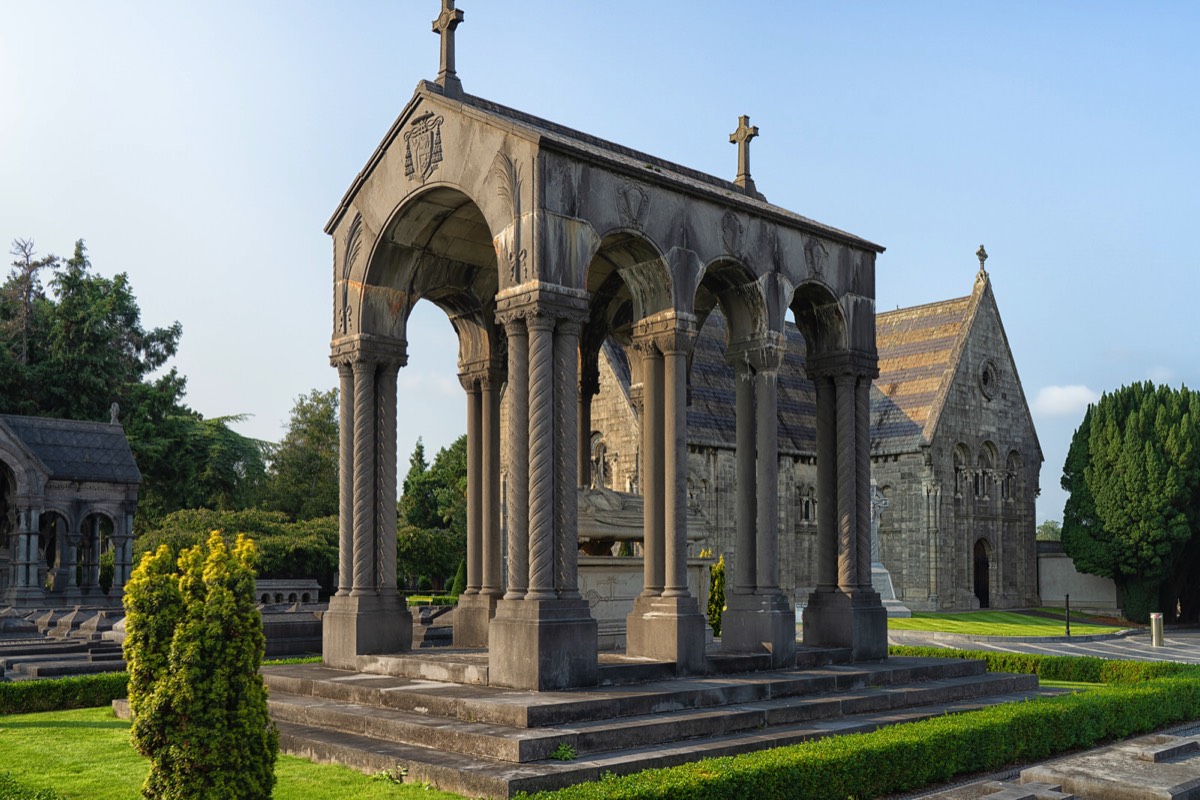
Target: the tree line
(72, 343)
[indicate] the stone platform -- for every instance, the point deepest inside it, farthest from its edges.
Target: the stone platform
(479, 740)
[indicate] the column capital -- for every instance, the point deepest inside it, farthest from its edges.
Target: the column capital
(669, 331)
(365, 347)
(848, 362)
(764, 354)
(539, 298)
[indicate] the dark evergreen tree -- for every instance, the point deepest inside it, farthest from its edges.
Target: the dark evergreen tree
(1133, 474)
(302, 480)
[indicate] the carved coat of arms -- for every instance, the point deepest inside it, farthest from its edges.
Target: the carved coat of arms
(423, 147)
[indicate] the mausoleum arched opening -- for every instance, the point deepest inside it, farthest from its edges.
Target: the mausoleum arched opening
(981, 575)
(8, 506)
(94, 538)
(822, 323)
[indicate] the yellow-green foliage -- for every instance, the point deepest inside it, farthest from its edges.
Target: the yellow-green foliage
(194, 643)
(716, 594)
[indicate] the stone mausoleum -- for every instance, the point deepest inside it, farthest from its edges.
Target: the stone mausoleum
(540, 244)
(954, 453)
(68, 492)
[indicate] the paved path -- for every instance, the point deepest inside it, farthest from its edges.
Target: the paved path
(1181, 645)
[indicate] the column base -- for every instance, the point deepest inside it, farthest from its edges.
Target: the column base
(364, 625)
(760, 623)
(667, 629)
(28, 597)
(856, 620)
(471, 618)
(542, 645)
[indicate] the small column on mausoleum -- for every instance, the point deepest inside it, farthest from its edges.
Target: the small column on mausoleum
(666, 623)
(759, 617)
(28, 591)
(368, 615)
(543, 635)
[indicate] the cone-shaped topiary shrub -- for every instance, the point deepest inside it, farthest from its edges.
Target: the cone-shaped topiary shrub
(194, 643)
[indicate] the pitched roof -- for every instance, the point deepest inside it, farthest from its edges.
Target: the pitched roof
(918, 349)
(76, 450)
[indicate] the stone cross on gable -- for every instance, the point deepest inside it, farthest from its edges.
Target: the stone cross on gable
(444, 26)
(981, 254)
(741, 137)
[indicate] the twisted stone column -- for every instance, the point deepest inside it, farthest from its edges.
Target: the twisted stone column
(746, 501)
(474, 473)
(541, 458)
(827, 518)
(767, 423)
(345, 479)
(385, 491)
(490, 486)
(847, 491)
(518, 458)
(566, 404)
(862, 483)
(652, 468)
(364, 478)
(675, 467)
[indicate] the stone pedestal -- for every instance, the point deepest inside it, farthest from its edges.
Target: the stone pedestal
(754, 623)
(471, 618)
(364, 625)
(881, 582)
(855, 620)
(542, 645)
(667, 629)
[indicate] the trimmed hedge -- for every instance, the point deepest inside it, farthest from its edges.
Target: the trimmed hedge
(12, 789)
(913, 755)
(1086, 669)
(61, 694)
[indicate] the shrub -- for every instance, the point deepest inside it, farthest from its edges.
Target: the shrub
(716, 594)
(61, 694)
(460, 579)
(1085, 669)
(194, 645)
(12, 789)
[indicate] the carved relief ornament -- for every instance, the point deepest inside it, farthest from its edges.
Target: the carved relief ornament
(423, 147)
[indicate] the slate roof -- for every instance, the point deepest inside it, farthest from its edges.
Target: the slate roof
(918, 349)
(75, 450)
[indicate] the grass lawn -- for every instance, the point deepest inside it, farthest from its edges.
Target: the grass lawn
(86, 754)
(995, 623)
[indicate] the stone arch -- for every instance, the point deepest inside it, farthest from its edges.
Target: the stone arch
(733, 287)
(9, 520)
(962, 469)
(437, 246)
(1012, 475)
(986, 471)
(821, 320)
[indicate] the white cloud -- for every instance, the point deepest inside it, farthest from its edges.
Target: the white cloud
(1061, 401)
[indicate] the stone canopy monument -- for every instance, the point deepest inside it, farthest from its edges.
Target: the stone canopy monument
(539, 243)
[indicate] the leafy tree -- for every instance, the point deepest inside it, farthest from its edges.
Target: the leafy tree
(287, 549)
(194, 647)
(1133, 474)
(78, 349)
(1049, 531)
(716, 594)
(302, 480)
(432, 515)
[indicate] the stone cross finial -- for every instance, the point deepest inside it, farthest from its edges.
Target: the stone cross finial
(444, 26)
(114, 414)
(741, 137)
(981, 254)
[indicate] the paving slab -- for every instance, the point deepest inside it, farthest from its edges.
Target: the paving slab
(1156, 767)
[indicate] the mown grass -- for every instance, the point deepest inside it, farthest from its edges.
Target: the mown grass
(995, 623)
(86, 753)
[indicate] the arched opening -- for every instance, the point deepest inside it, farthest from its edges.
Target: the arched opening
(1012, 476)
(820, 319)
(8, 509)
(962, 470)
(986, 472)
(55, 557)
(94, 554)
(983, 553)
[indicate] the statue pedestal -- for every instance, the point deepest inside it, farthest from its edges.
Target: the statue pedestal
(881, 582)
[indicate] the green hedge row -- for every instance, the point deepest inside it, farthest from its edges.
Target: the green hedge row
(60, 694)
(12, 789)
(907, 757)
(1086, 669)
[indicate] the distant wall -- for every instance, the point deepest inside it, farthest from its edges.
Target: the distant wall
(1057, 577)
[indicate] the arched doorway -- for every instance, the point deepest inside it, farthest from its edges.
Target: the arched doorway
(982, 575)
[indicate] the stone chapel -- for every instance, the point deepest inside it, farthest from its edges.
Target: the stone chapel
(953, 452)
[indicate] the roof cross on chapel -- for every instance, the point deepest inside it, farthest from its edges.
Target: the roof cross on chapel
(444, 26)
(741, 137)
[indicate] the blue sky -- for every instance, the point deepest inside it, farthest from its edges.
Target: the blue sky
(202, 147)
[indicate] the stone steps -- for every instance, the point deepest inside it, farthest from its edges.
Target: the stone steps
(479, 777)
(505, 743)
(480, 740)
(59, 669)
